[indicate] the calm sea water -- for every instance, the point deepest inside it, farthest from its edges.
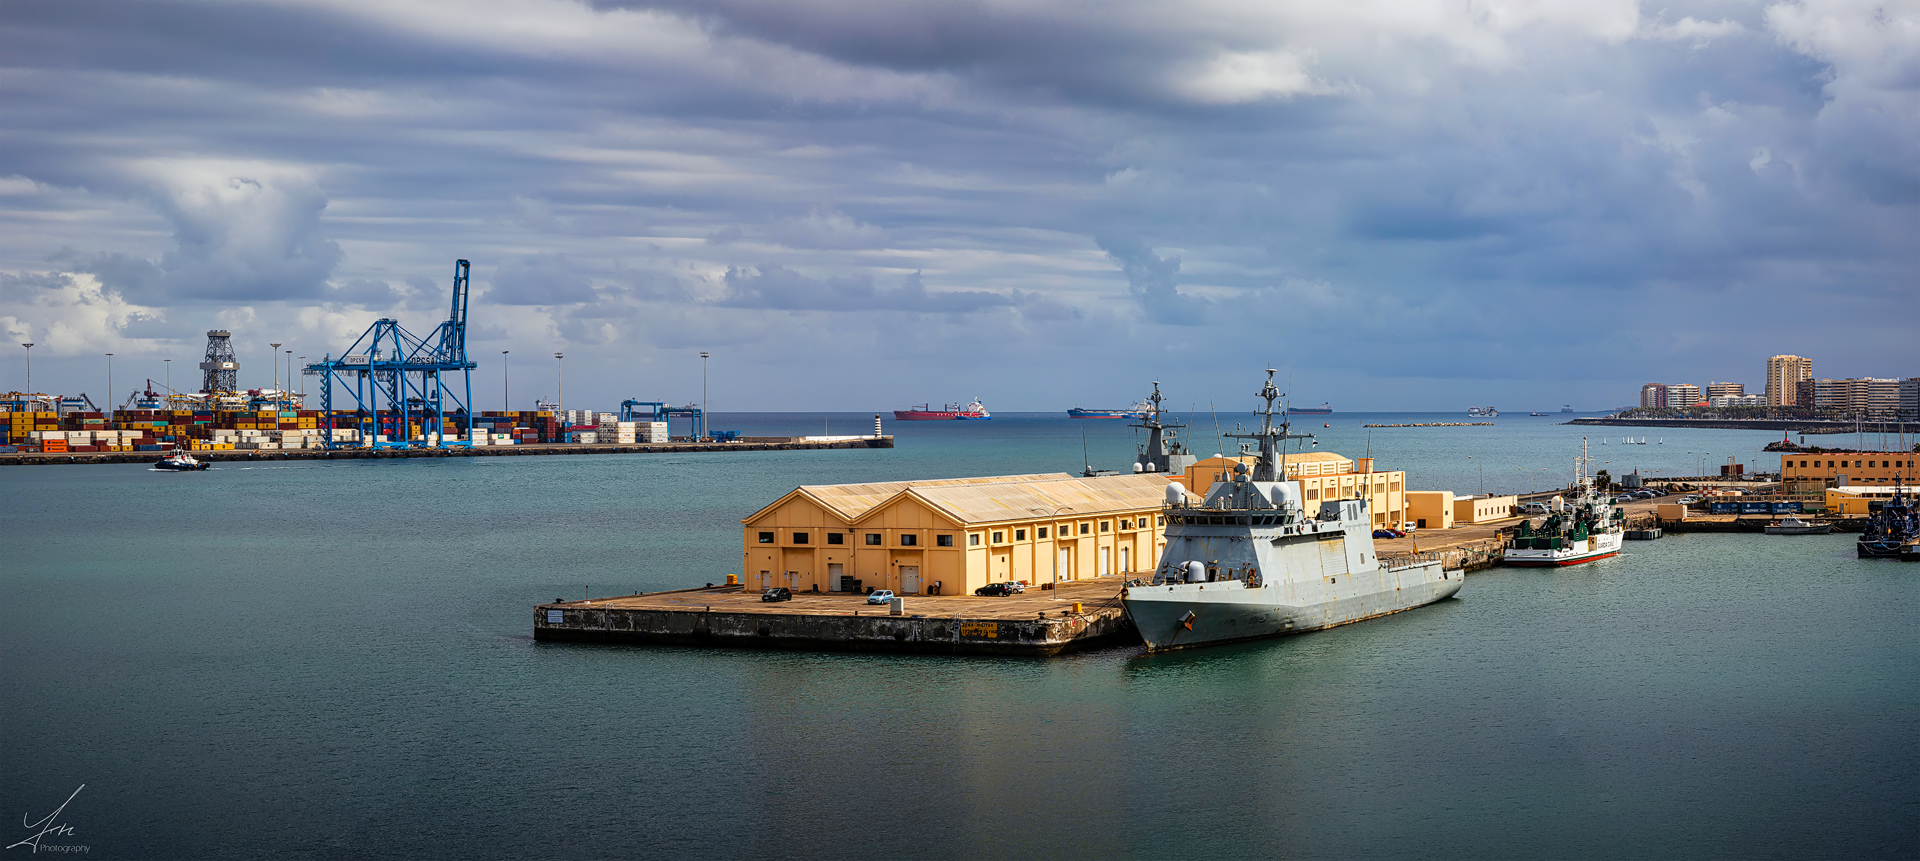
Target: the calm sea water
(334, 660)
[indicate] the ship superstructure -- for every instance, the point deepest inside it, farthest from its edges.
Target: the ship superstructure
(1894, 524)
(1163, 452)
(1250, 561)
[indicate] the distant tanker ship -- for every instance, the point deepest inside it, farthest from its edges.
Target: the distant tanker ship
(948, 412)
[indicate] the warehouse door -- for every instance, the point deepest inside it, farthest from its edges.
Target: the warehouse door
(1126, 559)
(909, 579)
(835, 571)
(1106, 561)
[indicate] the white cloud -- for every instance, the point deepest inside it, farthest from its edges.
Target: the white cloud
(68, 314)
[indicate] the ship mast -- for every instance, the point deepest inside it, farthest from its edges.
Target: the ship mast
(1272, 464)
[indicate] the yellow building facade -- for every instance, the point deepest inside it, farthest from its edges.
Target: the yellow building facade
(1484, 509)
(1321, 475)
(951, 536)
(1430, 509)
(1860, 467)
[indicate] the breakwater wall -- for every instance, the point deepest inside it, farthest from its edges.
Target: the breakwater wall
(575, 621)
(256, 456)
(1435, 425)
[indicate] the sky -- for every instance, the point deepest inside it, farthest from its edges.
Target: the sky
(868, 205)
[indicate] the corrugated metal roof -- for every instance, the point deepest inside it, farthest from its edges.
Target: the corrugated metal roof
(849, 501)
(992, 502)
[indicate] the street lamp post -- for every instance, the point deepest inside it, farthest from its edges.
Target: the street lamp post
(506, 403)
(706, 409)
(560, 389)
(276, 367)
(109, 387)
(1054, 514)
(289, 390)
(29, 367)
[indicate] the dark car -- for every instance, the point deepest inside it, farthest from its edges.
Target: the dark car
(777, 593)
(993, 590)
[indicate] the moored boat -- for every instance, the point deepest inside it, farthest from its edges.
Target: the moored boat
(1796, 526)
(1892, 526)
(1250, 561)
(1588, 529)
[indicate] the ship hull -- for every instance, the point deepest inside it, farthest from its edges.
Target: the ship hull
(1306, 412)
(924, 416)
(1596, 547)
(1878, 549)
(1191, 615)
(1078, 413)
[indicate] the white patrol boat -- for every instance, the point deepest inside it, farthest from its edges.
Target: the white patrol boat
(1588, 529)
(1251, 562)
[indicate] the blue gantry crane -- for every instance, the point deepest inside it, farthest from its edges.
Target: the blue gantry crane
(389, 364)
(659, 411)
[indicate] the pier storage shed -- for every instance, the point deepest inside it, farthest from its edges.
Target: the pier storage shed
(955, 535)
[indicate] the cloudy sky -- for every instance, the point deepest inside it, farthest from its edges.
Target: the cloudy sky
(864, 205)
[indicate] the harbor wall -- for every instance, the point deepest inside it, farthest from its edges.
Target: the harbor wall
(766, 444)
(868, 632)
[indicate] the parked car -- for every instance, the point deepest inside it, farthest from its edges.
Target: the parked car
(1533, 508)
(1015, 587)
(993, 590)
(880, 596)
(777, 593)
(1389, 533)
(1624, 498)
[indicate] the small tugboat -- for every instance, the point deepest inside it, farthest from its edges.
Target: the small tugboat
(1796, 526)
(1590, 528)
(179, 460)
(1894, 525)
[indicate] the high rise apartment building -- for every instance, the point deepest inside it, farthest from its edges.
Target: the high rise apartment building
(1725, 390)
(1784, 375)
(1866, 397)
(1682, 396)
(1910, 399)
(1653, 395)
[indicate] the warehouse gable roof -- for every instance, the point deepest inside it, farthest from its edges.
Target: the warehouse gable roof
(978, 503)
(849, 502)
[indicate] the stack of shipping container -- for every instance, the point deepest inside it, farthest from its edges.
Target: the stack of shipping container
(199, 430)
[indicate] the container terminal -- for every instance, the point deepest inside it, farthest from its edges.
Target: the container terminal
(410, 397)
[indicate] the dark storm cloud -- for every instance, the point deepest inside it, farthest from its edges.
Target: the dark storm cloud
(1092, 179)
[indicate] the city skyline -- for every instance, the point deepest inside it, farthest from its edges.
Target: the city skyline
(1400, 205)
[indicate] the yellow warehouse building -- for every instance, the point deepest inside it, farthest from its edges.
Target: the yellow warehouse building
(952, 536)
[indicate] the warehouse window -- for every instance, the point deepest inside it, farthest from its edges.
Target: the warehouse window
(1019, 535)
(1160, 521)
(1083, 529)
(836, 538)
(973, 539)
(1106, 525)
(873, 539)
(943, 540)
(999, 537)
(1040, 533)
(909, 540)
(766, 538)
(799, 537)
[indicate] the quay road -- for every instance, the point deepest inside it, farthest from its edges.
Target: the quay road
(256, 455)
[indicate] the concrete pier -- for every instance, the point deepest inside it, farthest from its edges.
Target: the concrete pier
(254, 456)
(1038, 622)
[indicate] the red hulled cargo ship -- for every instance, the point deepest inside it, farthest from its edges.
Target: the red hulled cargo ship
(948, 412)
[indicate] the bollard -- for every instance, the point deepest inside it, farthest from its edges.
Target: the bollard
(733, 579)
(1076, 607)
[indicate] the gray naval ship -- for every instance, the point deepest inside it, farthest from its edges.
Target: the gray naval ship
(1251, 561)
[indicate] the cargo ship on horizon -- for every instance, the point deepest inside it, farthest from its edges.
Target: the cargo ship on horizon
(1322, 410)
(948, 412)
